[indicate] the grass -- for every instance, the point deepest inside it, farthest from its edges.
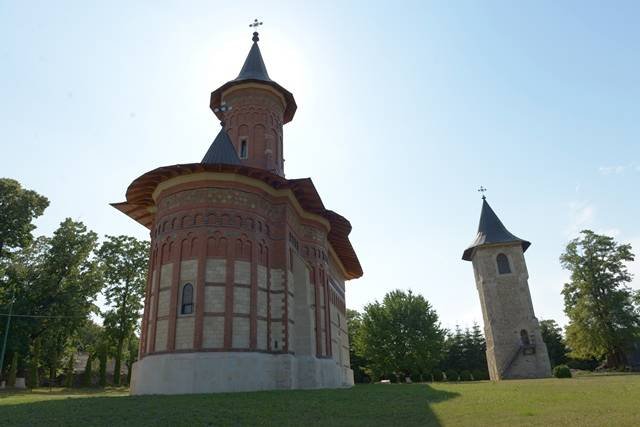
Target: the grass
(582, 401)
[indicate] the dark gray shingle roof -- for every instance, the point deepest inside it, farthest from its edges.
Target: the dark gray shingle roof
(254, 68)
(491, 231)
(221, 151)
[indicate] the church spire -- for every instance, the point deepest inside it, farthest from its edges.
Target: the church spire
(491, 231)
(254, 68)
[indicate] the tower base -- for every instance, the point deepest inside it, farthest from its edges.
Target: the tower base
(218, 372)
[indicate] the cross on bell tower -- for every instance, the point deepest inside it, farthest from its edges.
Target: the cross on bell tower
(482, 190)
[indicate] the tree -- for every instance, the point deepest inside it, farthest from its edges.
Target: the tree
(133, 343)
(70, 282)
(552, 337)
(124, 262)
(89, 338)
(400, 336)
(56, 280)
(358, 363)
(453, 354)
(603, 320)
(18, 208)
(465, 351)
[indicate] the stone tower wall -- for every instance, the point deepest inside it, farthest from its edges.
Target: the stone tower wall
(507, 310)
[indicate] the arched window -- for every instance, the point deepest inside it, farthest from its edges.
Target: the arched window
(503, 264)
(524, 337)
(186, 306)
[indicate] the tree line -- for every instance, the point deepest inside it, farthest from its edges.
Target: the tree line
(50, 285)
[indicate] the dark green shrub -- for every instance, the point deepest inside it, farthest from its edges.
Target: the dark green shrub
(416, 378)
(562, 371)
(479, 375)
(452, 375)
(86, 377)
(13, 371)
(437, 375)
(103, 369)
(465, 375)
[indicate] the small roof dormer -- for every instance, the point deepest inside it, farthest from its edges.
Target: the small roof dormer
(221, 151)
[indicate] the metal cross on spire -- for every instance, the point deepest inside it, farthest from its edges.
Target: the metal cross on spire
(482, 190)
(223, 108)
(255, 24)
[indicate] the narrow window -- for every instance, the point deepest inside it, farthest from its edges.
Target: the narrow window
(244, 150)
(187, 299)
(503, 264)
(524, 337)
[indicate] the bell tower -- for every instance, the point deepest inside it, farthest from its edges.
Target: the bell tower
(514, 343)
(253, 109)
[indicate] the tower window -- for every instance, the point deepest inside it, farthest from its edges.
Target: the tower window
(244, 149)
(524, 337)
(186, 307)
(503, 264)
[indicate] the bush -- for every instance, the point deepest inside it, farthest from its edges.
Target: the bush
(452, 375)
(437, 375)
(465, 375)
(416, 378)
(13, 371)
(479, 375)
(562, 371)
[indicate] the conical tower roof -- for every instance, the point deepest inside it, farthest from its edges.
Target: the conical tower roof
(221, 151)
(254, 68)
(254, 71)
(491, 231)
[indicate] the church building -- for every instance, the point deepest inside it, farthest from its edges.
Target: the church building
(514, 343)
(247, 271)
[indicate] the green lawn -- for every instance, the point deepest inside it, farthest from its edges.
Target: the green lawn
(590, 400)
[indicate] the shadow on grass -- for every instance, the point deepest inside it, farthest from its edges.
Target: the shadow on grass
(362, 405)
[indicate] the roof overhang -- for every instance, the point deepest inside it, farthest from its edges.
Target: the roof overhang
(140, 204)
(290, 106)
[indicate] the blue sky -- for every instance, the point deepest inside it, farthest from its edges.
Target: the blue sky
(405, 109)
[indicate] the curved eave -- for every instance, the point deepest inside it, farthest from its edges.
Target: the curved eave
(479, 242)
(140, 205)
(290, 107)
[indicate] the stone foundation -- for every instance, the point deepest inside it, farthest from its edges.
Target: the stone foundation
(217, 372)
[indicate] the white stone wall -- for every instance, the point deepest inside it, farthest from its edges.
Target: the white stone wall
(214, 299)
(164, 298)
(166, 275)
(261, 342)
(242, 273)
(240, 338)
(213, 332)
(188, 271)
(216, 271)
(161, 335)
(241, 300)
(215, 372)
(185, 332)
